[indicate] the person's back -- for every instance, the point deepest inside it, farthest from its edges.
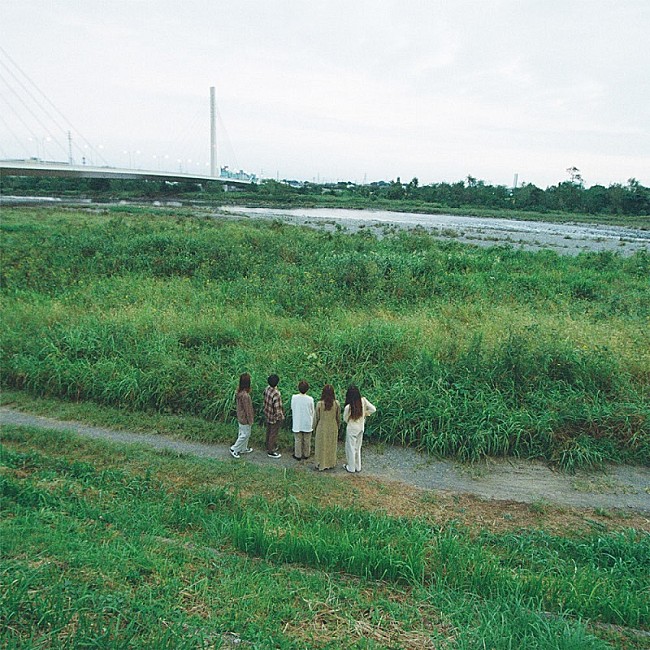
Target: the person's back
(357, 408)
(302, 413)
(274, 414)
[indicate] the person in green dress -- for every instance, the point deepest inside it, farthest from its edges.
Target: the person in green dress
(327, 420)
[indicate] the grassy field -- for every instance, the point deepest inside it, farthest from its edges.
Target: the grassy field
(112, 546)
(143, 319)
(466, 352)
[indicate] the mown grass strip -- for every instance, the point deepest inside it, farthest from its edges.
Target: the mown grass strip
(85, 533)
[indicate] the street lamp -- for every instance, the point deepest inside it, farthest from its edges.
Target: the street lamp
(46, 139)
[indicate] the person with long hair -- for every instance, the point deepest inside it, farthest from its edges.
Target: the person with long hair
(245, 416)
(356, 410)
(327, 420)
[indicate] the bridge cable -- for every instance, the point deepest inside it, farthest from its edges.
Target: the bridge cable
(46, 98)
(20, 143)
(18, 114)
(222, 126)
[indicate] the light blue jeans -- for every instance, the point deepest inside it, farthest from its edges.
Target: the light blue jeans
(242, 438)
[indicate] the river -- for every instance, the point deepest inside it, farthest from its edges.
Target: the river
(568, 238)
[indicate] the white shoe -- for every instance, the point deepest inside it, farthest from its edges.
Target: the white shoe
(249, 450)
(234, 453)
(347, 469)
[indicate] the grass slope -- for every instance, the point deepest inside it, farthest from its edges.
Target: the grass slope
(465, 351)
(112, 546)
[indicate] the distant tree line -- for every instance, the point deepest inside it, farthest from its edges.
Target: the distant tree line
(570, 196)
(100, 188)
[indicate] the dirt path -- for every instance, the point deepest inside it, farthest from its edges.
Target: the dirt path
(617, 487)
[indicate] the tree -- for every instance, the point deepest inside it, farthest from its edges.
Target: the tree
(574, 175)
(395, 190)
(412, 188)
(596, 199)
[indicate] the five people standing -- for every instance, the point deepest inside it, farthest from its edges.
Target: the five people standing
(324, 419)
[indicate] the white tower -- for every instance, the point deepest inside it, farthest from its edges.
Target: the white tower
(213, 133)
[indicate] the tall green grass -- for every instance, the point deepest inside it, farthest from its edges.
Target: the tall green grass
(108, 546)
(465, 351)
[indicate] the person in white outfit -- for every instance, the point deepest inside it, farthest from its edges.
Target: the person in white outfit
(356, 410)
(302, 412)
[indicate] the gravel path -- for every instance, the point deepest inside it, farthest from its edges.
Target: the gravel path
(617, 487)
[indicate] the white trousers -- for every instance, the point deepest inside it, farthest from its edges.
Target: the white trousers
(353, 443)
(242, 439)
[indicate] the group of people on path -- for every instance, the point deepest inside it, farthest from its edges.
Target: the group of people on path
(322, 418)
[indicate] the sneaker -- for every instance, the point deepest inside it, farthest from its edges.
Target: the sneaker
(234, 453)
(347, 469)
(249, 450)
(274, 454)
(296, 457)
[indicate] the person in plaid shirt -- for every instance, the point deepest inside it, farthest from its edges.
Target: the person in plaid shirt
(274, 414)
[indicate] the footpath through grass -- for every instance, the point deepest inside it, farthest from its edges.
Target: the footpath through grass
(466, 352)
(113, 546)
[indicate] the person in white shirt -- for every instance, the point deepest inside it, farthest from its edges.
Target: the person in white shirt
(356, 410)
(302, 412)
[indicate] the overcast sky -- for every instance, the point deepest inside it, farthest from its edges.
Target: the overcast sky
(336, 89)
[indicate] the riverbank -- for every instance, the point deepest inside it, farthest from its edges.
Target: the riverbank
(563, 238)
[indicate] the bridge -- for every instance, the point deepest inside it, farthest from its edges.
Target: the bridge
(66, 170)
(27, 112)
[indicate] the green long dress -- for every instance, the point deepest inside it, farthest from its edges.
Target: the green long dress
(326, 426)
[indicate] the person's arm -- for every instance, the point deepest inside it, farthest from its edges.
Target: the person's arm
(338, 414)
(316, 417)
(248, 407)
(279, 408)
(346, 413)
(368, 408)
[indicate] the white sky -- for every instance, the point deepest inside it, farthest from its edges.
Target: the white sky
(338, 89)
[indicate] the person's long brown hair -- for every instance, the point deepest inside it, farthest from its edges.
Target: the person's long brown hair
(327, 396)
(353, 398)
(244, 383)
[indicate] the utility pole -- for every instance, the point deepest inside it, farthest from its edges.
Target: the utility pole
(70, 160)
(213, 133)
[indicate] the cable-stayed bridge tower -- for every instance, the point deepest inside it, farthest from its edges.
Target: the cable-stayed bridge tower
(213, 132)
